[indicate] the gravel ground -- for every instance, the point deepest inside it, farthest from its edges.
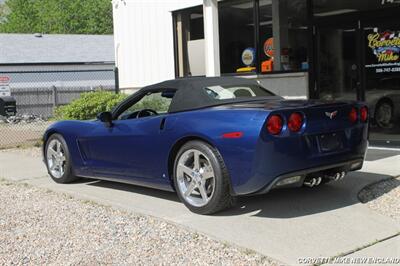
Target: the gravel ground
(38, 226)
(383, 197)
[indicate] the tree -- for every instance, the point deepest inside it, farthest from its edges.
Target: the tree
(3, 12)
(57, 16)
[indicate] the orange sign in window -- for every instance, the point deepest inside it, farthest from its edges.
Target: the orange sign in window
(267, 66)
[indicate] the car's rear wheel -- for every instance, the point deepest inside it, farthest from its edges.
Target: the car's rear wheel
(201, 178)
(58, 160)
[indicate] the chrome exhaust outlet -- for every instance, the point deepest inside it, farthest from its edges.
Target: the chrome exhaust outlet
(337, 176)
(310, 183)
(316, 181)
(313, 182)
(342, 175)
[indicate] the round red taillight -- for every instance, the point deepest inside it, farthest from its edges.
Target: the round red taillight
(353, 115)
(364, 114)
(295, 122)
(275, 124)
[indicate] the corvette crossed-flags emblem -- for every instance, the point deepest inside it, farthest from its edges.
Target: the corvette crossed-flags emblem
(331, 115)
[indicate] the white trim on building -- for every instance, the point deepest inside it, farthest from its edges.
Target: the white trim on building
(144, 44)
(211, 36)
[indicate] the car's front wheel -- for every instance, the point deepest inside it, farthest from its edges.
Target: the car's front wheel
(201, 178)
(58, 160)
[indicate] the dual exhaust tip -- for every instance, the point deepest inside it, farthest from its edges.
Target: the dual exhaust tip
(316, 181)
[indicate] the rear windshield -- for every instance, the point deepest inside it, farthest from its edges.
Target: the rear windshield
(234, 92)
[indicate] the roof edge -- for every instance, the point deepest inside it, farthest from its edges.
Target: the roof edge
(59, 63)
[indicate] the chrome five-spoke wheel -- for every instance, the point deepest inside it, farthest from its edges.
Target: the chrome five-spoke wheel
(195, 177)
(201, 178)
(56, 160)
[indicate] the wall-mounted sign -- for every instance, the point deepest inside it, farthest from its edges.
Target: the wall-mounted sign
(249, 56)
(385, 46)
(4, 79)
(4, 86)
(5, 90)
(269, 47)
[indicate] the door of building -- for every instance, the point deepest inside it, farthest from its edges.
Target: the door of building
(338, 59)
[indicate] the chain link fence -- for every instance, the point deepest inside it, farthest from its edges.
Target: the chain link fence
(37, 94)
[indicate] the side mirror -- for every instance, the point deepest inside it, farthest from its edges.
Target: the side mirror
(106, 118)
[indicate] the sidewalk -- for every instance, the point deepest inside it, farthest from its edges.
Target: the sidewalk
(284, 224)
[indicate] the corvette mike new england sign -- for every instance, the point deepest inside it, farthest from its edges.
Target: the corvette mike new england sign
(385, 51)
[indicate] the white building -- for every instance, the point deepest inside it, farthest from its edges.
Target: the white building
(157, 40)
(330, 49)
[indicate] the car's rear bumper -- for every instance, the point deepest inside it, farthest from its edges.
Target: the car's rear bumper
(266, 173)
(282, 157)
(347, 166)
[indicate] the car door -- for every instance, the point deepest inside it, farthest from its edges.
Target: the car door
(133, 146)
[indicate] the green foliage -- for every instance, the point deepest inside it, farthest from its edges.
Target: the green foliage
(89, 105)
(56, 16)
(152, 101)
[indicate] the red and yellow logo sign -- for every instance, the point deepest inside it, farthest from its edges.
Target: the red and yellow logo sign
(385, 46)
(269, 47)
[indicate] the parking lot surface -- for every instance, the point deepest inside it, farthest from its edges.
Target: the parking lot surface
(285, 224)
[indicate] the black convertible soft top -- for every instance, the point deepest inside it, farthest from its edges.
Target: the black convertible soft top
(190, 93)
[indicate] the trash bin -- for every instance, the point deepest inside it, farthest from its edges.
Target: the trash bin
(8, 106)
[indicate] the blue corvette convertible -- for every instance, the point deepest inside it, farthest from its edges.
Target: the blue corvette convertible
(211, 140)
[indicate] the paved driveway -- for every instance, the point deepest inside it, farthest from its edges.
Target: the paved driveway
(284, 224)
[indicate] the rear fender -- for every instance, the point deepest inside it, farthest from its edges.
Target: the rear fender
(210, 126)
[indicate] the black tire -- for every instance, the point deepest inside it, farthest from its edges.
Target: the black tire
(386, 125)
(67, 176)
(221, 198)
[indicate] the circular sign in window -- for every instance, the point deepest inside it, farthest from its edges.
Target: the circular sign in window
(269, 47)
(248, 56)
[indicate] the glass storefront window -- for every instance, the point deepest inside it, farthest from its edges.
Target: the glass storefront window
(281, 30)
(236, 35)
(357, 46)
(382, 72)
(283, 35)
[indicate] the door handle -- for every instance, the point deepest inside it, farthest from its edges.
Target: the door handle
(162, 124)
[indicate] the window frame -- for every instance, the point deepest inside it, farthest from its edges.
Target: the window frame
(256, 19)
(250, 87)
(137, 97)
(176, 43)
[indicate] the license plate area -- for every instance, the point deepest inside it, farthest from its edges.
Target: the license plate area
(330, 142)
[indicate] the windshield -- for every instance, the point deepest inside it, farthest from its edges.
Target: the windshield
(234, 92)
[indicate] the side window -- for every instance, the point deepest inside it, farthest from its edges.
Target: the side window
(157, 102)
